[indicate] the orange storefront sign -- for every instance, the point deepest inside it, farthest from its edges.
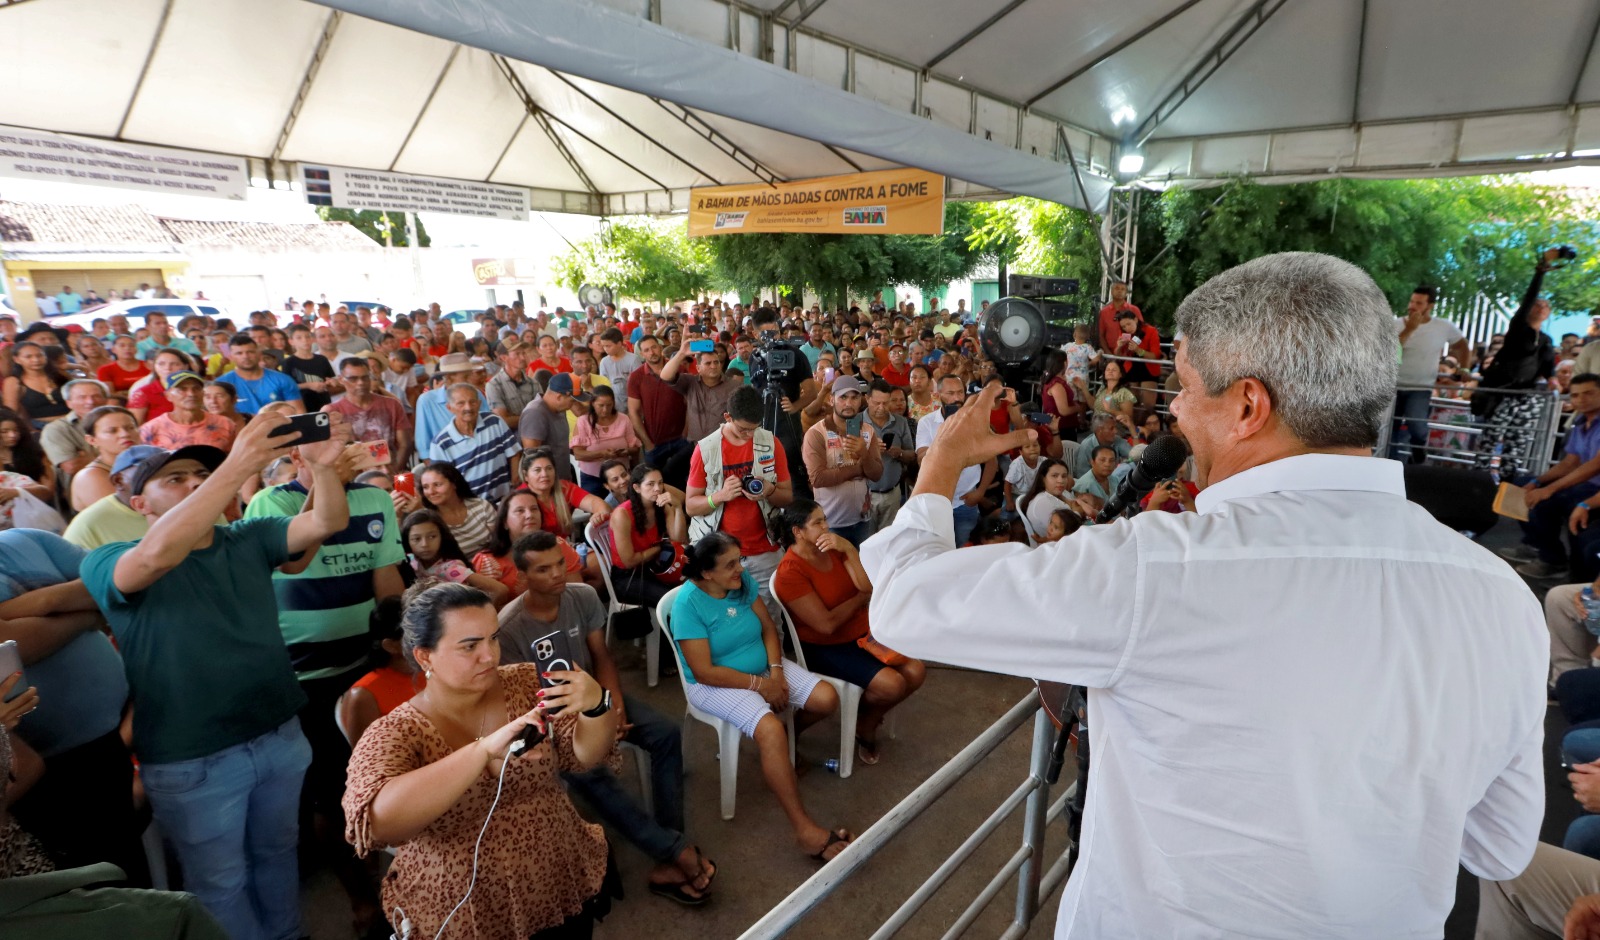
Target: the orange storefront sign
(882, 202)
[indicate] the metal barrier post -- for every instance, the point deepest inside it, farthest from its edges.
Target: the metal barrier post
(1033, 823)
(789, 911)
(1385, 430)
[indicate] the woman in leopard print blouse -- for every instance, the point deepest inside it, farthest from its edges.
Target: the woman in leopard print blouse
(424, 776)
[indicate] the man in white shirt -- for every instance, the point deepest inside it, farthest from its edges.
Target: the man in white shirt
(1423, 337)
(1308, 700)
(973, 481)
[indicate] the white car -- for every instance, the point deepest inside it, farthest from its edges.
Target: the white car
(135, 311)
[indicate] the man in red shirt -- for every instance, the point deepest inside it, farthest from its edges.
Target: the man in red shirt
(1107, 328)
(658, 410)
(897, 371)
(736, 474)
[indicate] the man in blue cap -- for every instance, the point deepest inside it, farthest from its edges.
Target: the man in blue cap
(112, 518)
(215, 698)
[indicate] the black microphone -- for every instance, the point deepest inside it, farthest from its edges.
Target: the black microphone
(1161, 460)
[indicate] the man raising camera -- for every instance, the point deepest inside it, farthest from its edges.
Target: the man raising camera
(1308, 758)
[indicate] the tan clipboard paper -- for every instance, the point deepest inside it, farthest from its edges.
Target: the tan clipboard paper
(1511, 501)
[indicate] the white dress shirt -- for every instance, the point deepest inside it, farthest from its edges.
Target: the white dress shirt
(1308, 699)
(927, 429)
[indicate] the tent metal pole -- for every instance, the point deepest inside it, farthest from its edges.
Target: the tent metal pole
(455, 50)
(1583, 66)
(1361, 57)
(1246, 26)
(144, 71)
(976, 31)
(1163, 20)
(543, 120)
(630, 126)
(329, 28)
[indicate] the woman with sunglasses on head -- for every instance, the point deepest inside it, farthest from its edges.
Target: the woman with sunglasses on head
(519, 515)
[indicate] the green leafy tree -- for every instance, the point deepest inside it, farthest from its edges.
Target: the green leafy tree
(1471, 237)
(837, 267)
(640, 258)
(374, 223)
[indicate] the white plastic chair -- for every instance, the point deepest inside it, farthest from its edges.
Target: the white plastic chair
(1069, 448)
(727, 733)
(601, 546)
(849, 693)
(1027, 527)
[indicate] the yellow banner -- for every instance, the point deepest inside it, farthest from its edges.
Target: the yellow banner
(883, 202)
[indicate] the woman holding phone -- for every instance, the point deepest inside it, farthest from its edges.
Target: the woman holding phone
(439, 778)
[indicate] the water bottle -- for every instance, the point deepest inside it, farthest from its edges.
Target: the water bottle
(1591, 606)
(1494, 463)
(831, 765)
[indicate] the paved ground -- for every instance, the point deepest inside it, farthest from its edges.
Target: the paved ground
(760, 864)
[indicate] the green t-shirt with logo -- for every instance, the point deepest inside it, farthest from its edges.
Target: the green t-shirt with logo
(324, 611)
(205, 662)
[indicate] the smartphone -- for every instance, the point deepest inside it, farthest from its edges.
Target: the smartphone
(828, 375)
(1037, 417)
(702, 345)
(370, 454)
(10, 662)
(313, 427)
(552, 652)
(853, 425)
(406, 483)
(950, 409)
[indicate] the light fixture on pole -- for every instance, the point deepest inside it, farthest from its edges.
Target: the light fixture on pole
(1130, 164)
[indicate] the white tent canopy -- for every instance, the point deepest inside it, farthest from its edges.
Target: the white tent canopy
(621, 106)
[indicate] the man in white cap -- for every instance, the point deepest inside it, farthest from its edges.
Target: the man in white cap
(842, 455)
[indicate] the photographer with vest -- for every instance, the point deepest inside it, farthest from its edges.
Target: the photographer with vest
(736, 474)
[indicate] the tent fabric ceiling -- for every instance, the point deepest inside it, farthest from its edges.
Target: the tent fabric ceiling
(1315, 88)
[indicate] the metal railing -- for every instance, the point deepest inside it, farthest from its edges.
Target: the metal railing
(1448, 416)
(1026, 864)
(1454, 434)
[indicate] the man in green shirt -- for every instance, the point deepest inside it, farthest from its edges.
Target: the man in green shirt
(325, 602)
(214, 694)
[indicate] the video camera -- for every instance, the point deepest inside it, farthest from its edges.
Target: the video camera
(772, 362)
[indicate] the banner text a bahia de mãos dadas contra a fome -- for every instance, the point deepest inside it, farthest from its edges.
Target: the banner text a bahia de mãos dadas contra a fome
(881, 202)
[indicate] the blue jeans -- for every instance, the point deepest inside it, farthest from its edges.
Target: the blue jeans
(854, 534)
(1547, 522)
(593, 485)
(232, 816)
(1411, 409)
(660, 837)
(966, 519)
(1582, 746)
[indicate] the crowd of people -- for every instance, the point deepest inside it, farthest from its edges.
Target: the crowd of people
(380, 594)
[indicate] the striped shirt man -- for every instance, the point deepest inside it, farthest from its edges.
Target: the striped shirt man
(483, 457)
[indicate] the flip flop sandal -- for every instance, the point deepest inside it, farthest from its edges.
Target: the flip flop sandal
(866, 751)
(704, 864)
(834, 838)
(678, 891)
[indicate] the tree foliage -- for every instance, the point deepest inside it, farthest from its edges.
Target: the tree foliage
(838, 266)
(640, 259)
(1472, 236)
(373, 223)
